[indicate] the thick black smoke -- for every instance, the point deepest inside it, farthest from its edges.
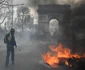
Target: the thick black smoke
(78, 27)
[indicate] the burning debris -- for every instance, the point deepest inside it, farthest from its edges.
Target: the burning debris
(60, 55)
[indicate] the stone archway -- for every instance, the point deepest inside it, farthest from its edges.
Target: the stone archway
(48, 12)
(61, 13)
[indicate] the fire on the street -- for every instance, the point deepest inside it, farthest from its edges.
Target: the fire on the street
(60, 54)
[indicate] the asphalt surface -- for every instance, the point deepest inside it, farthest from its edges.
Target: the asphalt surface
(28, 56)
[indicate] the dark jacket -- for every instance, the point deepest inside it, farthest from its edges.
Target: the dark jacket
(10, 39)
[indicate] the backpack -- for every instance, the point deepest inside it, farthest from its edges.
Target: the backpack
(6, 38)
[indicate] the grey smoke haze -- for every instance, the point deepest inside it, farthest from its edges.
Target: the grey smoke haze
(39, 2)
(33, 4)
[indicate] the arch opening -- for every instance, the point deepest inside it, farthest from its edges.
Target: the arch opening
(53, 26)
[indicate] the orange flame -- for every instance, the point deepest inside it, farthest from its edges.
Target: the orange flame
(58, 53)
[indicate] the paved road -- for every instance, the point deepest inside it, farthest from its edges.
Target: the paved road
(29, 58)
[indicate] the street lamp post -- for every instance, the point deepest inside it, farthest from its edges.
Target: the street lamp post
(13, 11)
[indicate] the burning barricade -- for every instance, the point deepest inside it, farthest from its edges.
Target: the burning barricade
(60, 55)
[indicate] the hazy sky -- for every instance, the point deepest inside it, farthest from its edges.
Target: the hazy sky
(37, 2)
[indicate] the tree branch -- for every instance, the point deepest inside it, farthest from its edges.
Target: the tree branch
(2, 1)
(4, 18)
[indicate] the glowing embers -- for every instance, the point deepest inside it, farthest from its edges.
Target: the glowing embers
(59, 54)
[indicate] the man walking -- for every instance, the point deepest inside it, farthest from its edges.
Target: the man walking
(9, 40)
